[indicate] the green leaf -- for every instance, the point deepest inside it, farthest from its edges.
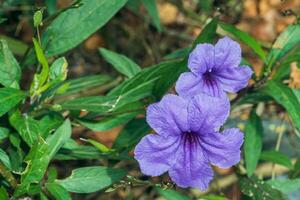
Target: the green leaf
(74, 25)
(276, 157)
(58, 70)
(131, 134)
(120, 62)
(208, 34)
(286, 185)
(109, 122)
(37, 161)
(179, 53)
(96, 178)
(57, 191)
(253, 142)
(3, 133)
(43, 76)
(59, 137)
(284, 96)
(17, 47)
(286, 41)
(295, 173)
(50, 123)
(37, 18)
(213, 197)
(104, 104)
(98, 145)
(3, 194)
(4, 158)
(27, 127)
(245, 38)
(172, 195)
(151, 8)
(258, 189)
(10, 71)
(9, 98)
(40, 155)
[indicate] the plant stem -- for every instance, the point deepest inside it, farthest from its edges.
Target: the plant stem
(8, 176)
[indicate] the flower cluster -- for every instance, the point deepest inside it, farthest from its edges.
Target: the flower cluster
(187, 138)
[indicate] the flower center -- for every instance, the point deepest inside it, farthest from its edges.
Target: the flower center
(190, 138)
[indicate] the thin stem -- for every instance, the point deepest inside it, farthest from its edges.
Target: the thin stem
(8, 176)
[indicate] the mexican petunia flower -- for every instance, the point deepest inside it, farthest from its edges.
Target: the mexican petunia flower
(188, 140)
(214, 70)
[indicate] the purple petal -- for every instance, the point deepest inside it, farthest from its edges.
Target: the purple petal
(206, 113)
(189, 85)
(211, 86)
(234, 79)
(156, 153)
(169, 116)
(191, 168)
(223, 149)
(201, 58)
(227, 53)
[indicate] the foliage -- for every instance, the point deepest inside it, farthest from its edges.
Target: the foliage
(38, 119)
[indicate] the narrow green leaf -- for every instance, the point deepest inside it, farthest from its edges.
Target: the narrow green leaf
(131, 134)
(286, 41)
(96, 178)
(285, 185)
(9, 98)
(284, 96)
(276, 157)
(27, 127)
(3, 133)
(37, 161)
(43, 76)
(4, 158)
(16, 46)
(120, 62)
(50, 123)
(109, 122)
(172, 195)
(151, 8)
(98, 145)
(59, 137)
(258, 189)
(208, 34)
(10, 71)
(3, 194)
(245, 38)
(74, 25)
(40, 156)
(57, 191)
(253, 142)
(105, 104)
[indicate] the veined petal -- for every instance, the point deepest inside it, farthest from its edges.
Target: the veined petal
(189, 84)
(223, 149)
(201, 58)
(227, 53)
(206, 113)
(156, 153)
(169, 116)
(191, 168)
(234, 79)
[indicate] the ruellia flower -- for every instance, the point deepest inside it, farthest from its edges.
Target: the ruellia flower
(188, 140)
(214, 70)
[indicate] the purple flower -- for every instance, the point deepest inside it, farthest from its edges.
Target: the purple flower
(188, 140)
(214, 70)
